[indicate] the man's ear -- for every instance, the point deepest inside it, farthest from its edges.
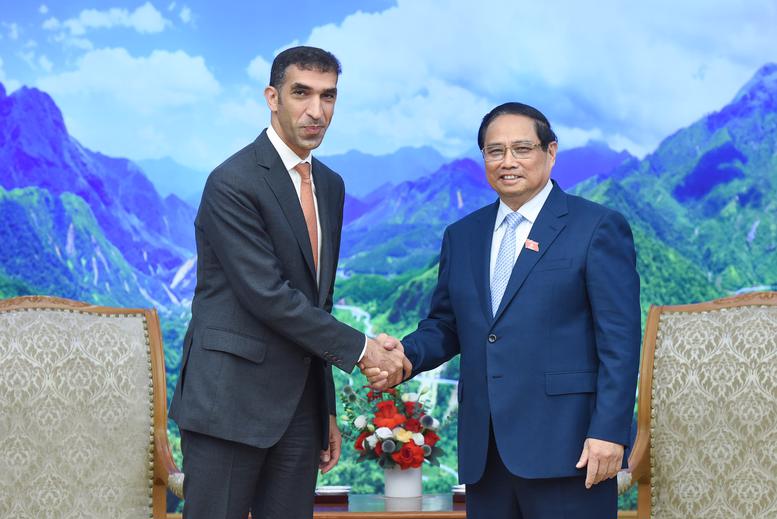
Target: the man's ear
(272, 96)
(552, 149)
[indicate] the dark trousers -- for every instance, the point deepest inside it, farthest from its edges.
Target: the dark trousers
(501, 495)
(224, 479)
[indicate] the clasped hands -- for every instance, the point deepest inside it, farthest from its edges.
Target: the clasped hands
(384, 362)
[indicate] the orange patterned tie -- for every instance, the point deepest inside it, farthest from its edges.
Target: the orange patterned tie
(308, 207)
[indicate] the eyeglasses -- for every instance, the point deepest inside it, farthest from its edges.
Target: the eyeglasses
(497, 152)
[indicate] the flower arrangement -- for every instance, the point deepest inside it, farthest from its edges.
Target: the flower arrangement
(392, 428)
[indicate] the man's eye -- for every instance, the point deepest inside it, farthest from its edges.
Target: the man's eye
(298, 92)
(495, 152)
(522, 150)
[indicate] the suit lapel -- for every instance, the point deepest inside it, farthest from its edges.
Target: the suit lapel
(546, 228)
(283, 188)
(480, 255)
(324, 201)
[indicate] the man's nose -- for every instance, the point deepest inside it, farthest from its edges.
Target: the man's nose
(509, 161)
(315, 109)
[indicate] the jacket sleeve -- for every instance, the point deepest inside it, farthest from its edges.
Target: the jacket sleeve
(240, 242)
(435, 341)
(612, 283)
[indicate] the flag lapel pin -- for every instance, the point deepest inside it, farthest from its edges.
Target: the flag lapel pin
(532, 245)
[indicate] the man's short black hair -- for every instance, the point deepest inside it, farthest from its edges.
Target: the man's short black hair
(306, 58)
(541, 123)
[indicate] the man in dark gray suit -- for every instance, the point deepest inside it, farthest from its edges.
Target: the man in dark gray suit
(255, 400)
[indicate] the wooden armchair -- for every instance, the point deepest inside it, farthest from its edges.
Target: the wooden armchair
(83, 412)
(707, 419)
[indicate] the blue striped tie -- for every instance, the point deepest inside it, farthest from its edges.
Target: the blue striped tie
(505, 261)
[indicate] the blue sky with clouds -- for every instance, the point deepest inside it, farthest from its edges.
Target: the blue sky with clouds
(185, 79)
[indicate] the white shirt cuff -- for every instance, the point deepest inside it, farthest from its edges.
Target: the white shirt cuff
(364, 350)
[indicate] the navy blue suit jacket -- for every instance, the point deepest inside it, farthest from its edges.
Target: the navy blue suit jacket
(558, 362)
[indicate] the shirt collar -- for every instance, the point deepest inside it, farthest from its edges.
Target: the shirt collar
(530, 210)
(288, 157)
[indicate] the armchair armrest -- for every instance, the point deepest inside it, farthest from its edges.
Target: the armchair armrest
(166, 471)
(624, 481)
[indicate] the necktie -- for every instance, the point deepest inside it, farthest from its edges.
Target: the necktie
(505, 261)
(308, 207)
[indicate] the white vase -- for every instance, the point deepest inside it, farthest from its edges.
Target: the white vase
(402, 483)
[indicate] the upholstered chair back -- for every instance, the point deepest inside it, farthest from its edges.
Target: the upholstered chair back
(76, 411)
(712, 415)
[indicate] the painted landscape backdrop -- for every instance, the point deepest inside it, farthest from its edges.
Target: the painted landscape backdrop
(79, 224)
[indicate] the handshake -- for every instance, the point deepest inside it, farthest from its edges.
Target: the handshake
(384, 362)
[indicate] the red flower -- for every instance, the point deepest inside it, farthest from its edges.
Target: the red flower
(379, 448)
(413, 425)
(411, 407)
(387, 415)
(359, 443)
(409, 456)
(431, 438)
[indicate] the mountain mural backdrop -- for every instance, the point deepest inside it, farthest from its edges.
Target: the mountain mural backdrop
(78, 224)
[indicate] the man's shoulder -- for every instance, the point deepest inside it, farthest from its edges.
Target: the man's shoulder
(327, 171)
(584, 208)
(474, 219)
(240, 165)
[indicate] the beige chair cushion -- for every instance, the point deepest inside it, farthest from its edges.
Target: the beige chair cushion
(714, 415)
(75, 415)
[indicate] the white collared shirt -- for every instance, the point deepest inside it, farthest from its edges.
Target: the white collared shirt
(291, 159)
(530, 210)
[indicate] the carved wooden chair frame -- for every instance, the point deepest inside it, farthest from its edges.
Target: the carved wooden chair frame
(639, 461)
(165, 472)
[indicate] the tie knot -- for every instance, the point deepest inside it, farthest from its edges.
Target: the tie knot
(303, 168)
(513, 219)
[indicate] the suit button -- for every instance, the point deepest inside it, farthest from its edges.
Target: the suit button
(492, 338)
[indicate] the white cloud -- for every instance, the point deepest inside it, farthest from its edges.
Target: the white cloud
(43, 9)
(28, 56)
(144, 19)
(251, 111)
(162, 79)
(259, 70)
(51, 24)
(160, 104)
(9, 84)
(631, 73)
(185, 15)
(171, 6)
(45, 63)
(13, 30)
(76, 42)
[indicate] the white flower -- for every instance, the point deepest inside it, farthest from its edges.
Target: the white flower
(360, 422)
(409, 397)
(384, 433)
(418, 439)
(371, 440)
(370, 427)
(436, 424)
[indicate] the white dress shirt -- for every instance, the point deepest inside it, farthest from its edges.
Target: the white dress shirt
(530, 210)
(291, 159)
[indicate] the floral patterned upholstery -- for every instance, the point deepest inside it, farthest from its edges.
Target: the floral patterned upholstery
(713, 414)
(76, 414)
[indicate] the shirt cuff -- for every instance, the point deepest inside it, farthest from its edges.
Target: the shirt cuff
(364, 350)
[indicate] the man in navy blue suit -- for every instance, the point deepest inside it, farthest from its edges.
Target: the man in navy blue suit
(539, 294)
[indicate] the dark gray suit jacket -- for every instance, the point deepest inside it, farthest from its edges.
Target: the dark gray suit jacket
(259, 321)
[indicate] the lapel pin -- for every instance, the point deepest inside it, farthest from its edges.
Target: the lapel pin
(532, 245)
